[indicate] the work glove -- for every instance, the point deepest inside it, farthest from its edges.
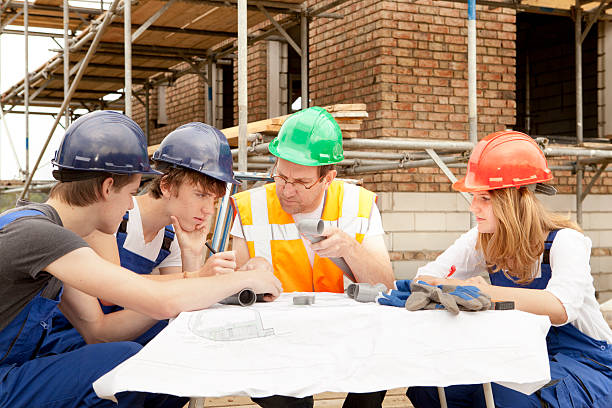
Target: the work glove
(365, 292)
(393, 298)
(465, 298)
(396, 297)
(419, 295)
(450, 297)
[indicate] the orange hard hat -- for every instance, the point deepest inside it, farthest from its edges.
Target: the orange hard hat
(504, 159)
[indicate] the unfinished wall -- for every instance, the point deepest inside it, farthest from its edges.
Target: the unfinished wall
(419, 226)
(407, 61)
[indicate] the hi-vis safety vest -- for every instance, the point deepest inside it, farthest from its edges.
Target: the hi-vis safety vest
(271, 233)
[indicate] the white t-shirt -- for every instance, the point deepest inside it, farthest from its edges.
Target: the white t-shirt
(134, 242)
(375, 227)
(571, 281)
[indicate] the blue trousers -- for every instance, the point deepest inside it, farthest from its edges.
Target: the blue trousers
(580, 368)
(65, 380)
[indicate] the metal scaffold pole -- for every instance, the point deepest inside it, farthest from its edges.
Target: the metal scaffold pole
(66, 16)
(304, 59)
(472, 98)
(73, 87)
(242, 85)
(127, 38)
(579, 113)
(26, 89)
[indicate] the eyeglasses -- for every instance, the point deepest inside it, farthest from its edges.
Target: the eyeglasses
(298, 185)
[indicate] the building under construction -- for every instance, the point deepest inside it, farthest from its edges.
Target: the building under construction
(414, 84)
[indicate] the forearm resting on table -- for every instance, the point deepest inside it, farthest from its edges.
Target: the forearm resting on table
(536, 301)
(540, 302)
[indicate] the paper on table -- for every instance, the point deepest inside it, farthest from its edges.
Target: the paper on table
(336, 344)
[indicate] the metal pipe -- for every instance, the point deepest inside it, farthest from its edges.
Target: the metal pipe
(576, 151)
(406, 165)
(55, 61)
(148, 24)
(147, 112)
(33, 33)
(107, 19)
(594, 179)
(278, 7)
(2, 10)
(578, 52)
(304, 57)
(209, 93)
(579, 198)
(406, 144)
(66, 57)
(127, 40)
(242, 85)
(46, 7)
(281, 30)
(527, 95)
(26, 87)
(472, 98)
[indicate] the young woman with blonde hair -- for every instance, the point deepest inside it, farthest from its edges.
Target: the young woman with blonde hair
(535, 258)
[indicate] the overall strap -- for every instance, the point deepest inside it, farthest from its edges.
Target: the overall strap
(122, 230)
(54, 285)
(164, 251)
(168, 237)
(123, 226)
(10, 217)
(547, 245)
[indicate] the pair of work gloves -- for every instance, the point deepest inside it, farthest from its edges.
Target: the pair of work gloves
(417, 295)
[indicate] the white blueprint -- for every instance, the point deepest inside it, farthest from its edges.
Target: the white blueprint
(338, 345)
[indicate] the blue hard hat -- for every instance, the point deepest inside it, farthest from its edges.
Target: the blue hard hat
(105, 141)
(199, 147)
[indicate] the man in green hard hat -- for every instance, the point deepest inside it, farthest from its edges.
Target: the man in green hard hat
(307, 147)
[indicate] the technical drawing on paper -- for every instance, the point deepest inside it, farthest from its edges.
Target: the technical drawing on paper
(247, 325)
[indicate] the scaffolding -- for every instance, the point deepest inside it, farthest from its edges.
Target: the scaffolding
(200, 33)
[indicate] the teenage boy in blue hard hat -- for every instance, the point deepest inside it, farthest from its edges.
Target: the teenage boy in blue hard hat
(45, 262)
(168, 225)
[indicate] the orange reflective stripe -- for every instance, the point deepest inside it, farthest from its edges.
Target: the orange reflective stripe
(276, 214)
(242, 201)
(251, 246)
(366, 199)
(291, 265)
(326, 276)
(333, 201)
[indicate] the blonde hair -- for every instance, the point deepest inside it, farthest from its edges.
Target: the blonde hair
(522, 227)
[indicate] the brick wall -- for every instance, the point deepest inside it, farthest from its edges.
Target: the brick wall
(408, 62)
(185, 100)
(256, 83)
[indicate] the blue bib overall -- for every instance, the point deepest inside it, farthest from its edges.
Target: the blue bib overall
(143, 266)
(580, 366)
(66, 334)
(36, 372)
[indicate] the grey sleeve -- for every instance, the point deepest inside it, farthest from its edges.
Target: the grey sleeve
(29, 245)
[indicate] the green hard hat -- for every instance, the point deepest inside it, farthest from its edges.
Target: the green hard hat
(310, 137)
